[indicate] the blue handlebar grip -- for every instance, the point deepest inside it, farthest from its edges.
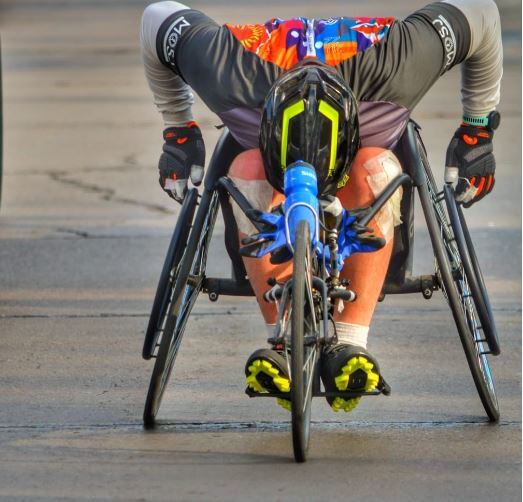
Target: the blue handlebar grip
(301, 198)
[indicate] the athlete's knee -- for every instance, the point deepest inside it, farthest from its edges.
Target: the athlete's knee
(359, 172)
(248, 174)
(378, 167)
(248, 165)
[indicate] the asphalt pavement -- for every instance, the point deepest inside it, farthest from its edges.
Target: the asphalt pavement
(83, 231)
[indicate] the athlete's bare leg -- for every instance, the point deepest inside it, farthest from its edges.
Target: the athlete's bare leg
(366, 271)
(371, 170)
(248, 173)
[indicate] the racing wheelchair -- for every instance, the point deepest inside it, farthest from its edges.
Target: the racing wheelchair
(306, 301)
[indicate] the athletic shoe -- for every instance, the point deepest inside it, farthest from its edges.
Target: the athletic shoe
(348, 368)
(266, 371)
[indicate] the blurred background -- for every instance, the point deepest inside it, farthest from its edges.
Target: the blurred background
(84, 227)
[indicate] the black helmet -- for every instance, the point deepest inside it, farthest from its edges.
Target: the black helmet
(310, 114)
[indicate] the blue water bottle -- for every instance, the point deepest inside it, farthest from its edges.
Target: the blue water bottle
(301, 199)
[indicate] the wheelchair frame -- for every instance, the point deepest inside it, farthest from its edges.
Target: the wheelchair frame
(399, 278)
(182, 280)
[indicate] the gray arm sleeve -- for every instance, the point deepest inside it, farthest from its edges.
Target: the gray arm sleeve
(483, 66)
(172, 95)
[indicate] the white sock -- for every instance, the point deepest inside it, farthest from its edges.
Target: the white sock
(355, 334)
(270, 329)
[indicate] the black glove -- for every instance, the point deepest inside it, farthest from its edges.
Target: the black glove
(471, 163)
(183, 156)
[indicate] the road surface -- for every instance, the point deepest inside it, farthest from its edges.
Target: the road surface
(83, 231)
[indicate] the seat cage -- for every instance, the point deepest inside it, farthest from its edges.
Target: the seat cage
(398, 280)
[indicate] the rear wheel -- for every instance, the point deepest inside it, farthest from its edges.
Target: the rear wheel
(472, 270)
(187, 285)
(303, 349)
(456, 288)
(170, 270)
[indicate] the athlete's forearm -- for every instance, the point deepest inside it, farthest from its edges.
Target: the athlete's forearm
(172, 95)
(483, 66)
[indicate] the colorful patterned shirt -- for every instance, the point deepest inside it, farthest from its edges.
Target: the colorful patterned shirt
(332, 41)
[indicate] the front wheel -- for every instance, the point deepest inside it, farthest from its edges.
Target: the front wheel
(303, 354)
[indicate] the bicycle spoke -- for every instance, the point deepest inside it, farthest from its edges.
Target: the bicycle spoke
(310, 299)
(310, 376)
(310, 358)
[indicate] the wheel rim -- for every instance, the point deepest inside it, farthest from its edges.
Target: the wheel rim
(183, 307)
(164, 290)
(189, 297)
(464, 293)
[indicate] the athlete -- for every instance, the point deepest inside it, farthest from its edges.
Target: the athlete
(336, 93)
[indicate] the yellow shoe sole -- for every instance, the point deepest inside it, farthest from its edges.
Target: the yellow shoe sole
(282, 383)
(342, 382)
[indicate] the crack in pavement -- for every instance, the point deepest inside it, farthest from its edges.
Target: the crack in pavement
(262, 426)
(105, 193)
(78, 233)
(86, 235)
(221, 312)
(329, 425)
(196, 314)
(70, 316)
(109, 315)
(129, 164)
(163, 233)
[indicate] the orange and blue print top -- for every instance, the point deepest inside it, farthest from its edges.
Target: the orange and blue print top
(333, 40)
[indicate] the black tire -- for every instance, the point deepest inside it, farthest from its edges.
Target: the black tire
(454, 283)
(300, 377)
(164, 289)
(473, 271)
(186, 288)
